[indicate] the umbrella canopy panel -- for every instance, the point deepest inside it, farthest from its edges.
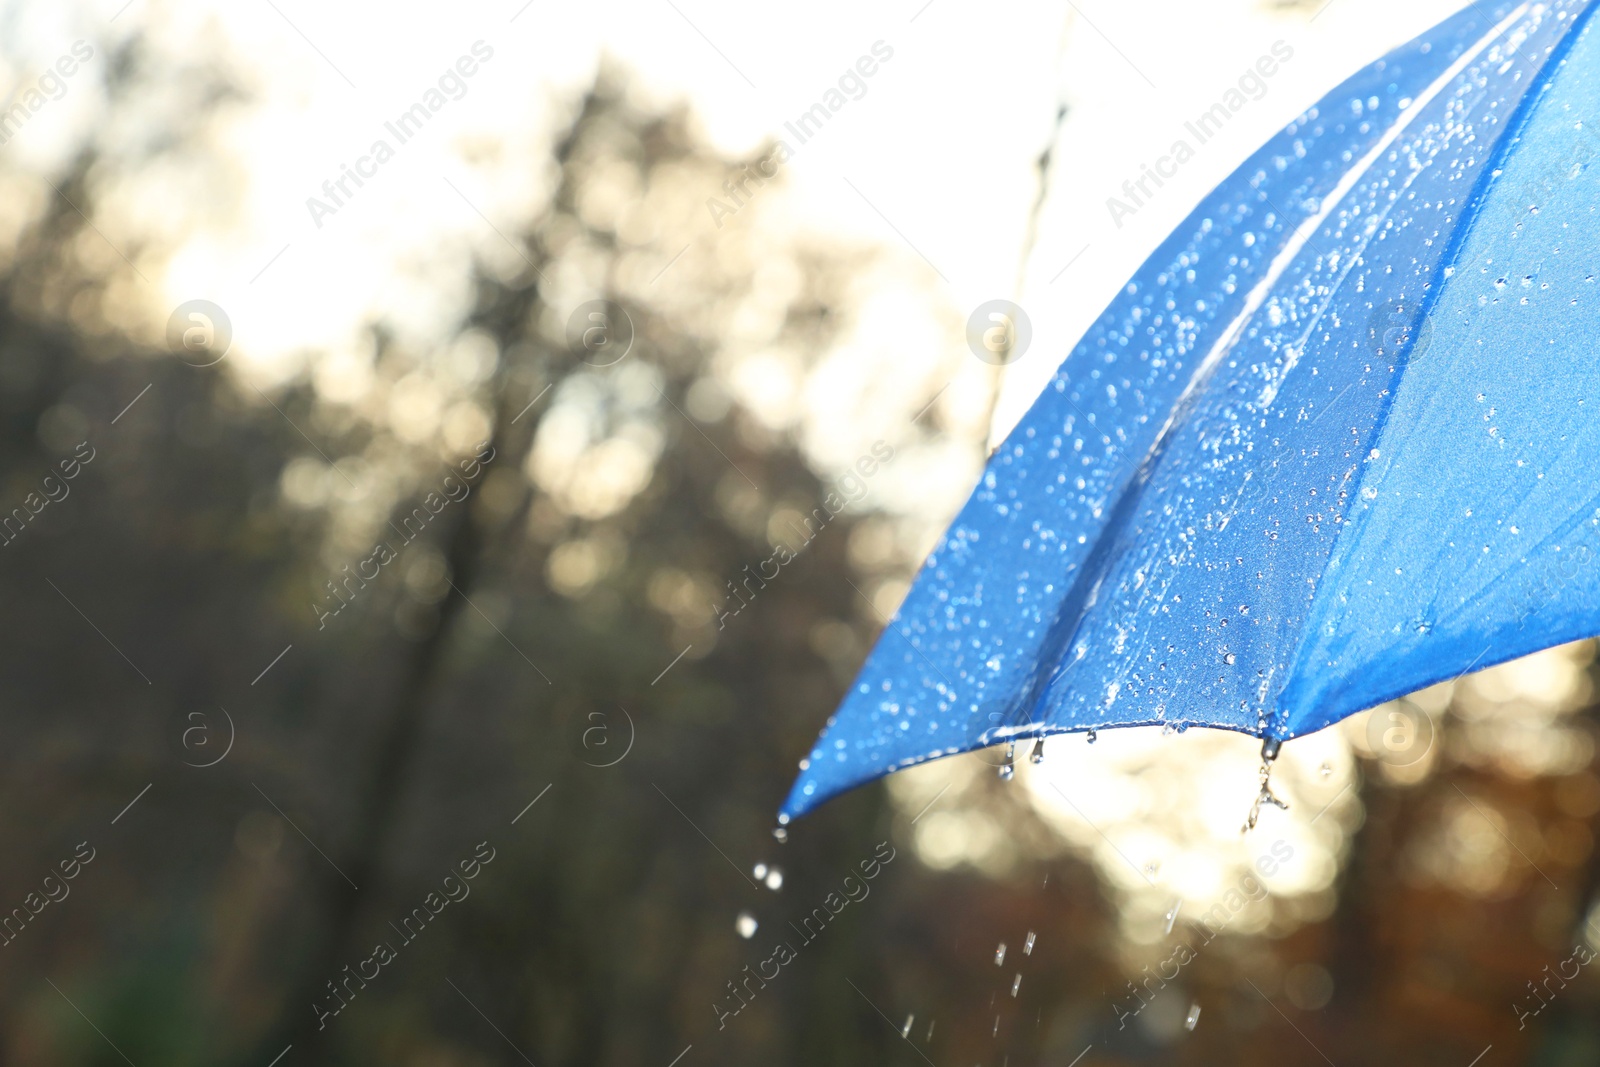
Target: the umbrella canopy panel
(1211, 515)
(1475, 536)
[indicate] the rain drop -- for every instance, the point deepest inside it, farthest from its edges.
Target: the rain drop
(780, 833)
(774, 879)
(905, 1031)
(1194, 1017)
(1016, 984)
(760, 871)
(1230, 659)
(1027, 947)
(1008, 769)
(1037, 755)
(1000, 955)
(1172, 916)
(746, 925)
(1092, 736)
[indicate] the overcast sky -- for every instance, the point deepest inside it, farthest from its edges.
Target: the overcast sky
(935, 156)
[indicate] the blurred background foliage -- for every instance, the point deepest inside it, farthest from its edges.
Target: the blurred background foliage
(565, 616)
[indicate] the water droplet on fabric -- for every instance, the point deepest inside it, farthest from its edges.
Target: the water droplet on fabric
(1230, 659)
(1008, 769)
(746, 925)
(1325, 770)
(1037, 755)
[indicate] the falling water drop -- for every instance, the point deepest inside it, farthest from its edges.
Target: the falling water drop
(1016, 984)
(1172, 916)
(760, 871)
(781, 834)
(1000, 955)
(774, 879)
(1092, 736)
(1027, 947)
(1326, 769)
(746, 925)
(1038, 752)
(905, 1031)
(930, 1030)
(1008, 769)
(1194, 1016)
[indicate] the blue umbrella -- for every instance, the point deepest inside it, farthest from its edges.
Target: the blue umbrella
(1334, 442)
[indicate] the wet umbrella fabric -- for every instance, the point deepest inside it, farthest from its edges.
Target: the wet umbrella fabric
(1334, 442)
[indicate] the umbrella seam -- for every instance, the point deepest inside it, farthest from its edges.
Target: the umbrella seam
(1099, 561)
(1522, 115)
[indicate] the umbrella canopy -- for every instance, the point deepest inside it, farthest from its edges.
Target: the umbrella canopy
(1335, 441)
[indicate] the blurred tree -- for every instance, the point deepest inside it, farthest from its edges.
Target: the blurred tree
(553, 638)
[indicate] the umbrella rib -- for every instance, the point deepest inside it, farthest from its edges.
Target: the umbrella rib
(1471, 55)
(1302, 235)
(1101, 558)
